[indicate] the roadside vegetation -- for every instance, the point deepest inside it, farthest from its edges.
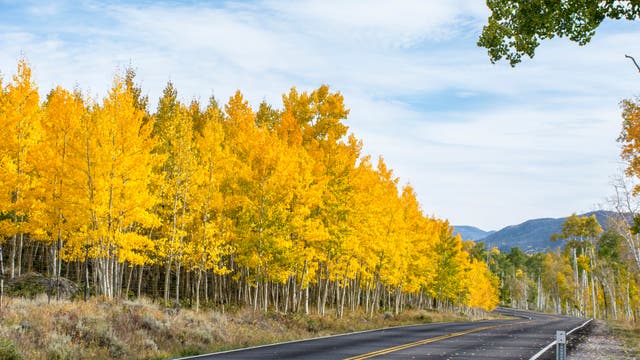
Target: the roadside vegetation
(141, 329)
(629, 334)
(273, 217)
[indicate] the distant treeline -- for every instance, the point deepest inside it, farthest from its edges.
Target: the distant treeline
(595, 275)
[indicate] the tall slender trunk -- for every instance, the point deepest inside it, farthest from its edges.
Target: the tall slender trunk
(306, 300)
(344, 292)
(255, 295)
(397, 299)
(178, 265)
(2, 282)
(325, 293)
(132, 269)
(12, 255)
(140, 272)
(167, 280)
(86, 274)
(19, 260)
(58, 266)
(198, 290)
(266, 296)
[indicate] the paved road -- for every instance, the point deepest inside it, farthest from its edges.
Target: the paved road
(493, 339)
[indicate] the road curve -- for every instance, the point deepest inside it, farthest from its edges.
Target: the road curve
(517, 338)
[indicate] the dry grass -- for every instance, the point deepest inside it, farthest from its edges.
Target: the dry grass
(100, 329)
(629, 334)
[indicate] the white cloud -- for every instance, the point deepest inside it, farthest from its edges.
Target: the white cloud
(483, 144)
(401, 24)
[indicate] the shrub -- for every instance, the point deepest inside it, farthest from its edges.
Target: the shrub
(151, 323)
(150, 345)
(8, 350)
(60, 347)
(117, 349)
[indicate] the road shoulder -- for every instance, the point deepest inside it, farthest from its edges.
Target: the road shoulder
(600, 344)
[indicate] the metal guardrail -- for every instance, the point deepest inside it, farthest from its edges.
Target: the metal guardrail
(560, 342)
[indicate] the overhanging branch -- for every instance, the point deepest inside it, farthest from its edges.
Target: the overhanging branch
(634, 62)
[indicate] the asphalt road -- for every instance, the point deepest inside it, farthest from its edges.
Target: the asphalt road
(493, 339)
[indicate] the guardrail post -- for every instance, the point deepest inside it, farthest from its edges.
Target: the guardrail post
(561, 345)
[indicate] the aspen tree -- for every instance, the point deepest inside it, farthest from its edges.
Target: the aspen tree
(57, 163)
(173, 128)
(211, 235)
(20, 125)
(117, 199)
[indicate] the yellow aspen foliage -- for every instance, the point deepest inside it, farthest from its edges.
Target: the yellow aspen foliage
(482, 286)
(306, 230)
(449, 264)
(263, 238)
(211, 229)
(57, 163)
(173, 131)
(630, 138)
(20, 126)
(420, 231)
(274, 208)
(116, 201)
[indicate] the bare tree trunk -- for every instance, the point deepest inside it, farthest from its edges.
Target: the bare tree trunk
(344, 294)
(178, 265)
(167, 281)
(198, 290)
(20, 244)
(266, 296)
(12, 255)
(86, 275)
(132, 269)
(206, 286)
(255, 296)
(397, 301)
(32, 255)
(140, 273)
(306, 300)
(2, 283)
(325, 294)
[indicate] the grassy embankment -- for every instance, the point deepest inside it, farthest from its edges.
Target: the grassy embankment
(98, 329)
(629, 334)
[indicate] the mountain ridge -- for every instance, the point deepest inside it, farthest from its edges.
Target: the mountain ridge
(530, 236)
(471, 232)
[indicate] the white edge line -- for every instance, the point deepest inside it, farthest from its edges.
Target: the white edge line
(318, 338)
(539, 353)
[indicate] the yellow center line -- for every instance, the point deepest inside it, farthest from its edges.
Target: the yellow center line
(429, 340)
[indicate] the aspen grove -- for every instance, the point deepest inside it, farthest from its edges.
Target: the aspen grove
(208, 205)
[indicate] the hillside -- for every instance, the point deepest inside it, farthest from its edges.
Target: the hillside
(470, 232)
(535, 235)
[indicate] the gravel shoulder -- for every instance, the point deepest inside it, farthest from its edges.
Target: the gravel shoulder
(600, 344)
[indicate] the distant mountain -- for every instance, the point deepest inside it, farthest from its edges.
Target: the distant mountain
(470, 232)
(535, 235)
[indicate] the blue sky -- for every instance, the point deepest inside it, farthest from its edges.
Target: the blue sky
(484, 145)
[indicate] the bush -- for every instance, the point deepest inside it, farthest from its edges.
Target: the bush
(97, 331)
(60, 347)
(149, 322)
(117, 349)
(8, 350)
(31, 284)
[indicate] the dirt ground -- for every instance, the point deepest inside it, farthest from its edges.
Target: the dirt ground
(600, 344)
